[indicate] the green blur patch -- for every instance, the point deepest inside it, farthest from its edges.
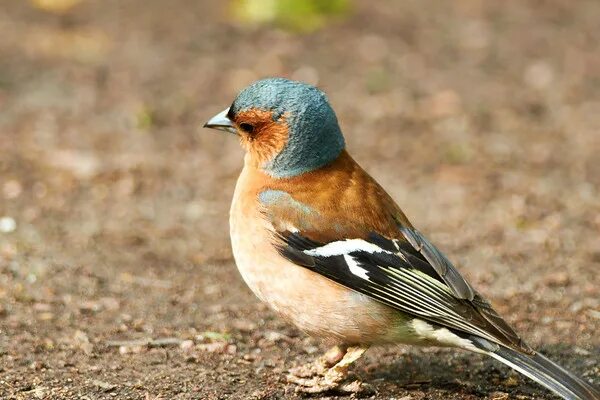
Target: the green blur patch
(300, 16)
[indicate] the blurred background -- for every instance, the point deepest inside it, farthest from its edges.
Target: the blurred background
(481, 118)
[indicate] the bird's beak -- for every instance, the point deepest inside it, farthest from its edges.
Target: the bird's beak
(221, 122)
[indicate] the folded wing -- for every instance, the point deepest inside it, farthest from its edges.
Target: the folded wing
(410, 275)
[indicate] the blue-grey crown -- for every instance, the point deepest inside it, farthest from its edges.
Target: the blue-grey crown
(314, 138)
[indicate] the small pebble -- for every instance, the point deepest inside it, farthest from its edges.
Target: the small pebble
(311, 349)
(214, 347)
(7, 225)
(187, 345)
(105, 386)
(131, 349)
(273, 336)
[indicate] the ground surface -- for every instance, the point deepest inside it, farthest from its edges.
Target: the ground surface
(481, 119)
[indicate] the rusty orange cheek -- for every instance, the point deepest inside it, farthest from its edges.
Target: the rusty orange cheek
(269, 137)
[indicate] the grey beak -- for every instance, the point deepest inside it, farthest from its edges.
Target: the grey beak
(221, 122)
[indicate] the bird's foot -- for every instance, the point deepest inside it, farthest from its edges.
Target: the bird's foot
(333, 379)
(320, 366)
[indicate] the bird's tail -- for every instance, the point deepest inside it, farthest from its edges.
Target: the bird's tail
(543, 371)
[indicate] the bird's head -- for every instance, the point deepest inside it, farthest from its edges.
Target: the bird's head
(287, 127)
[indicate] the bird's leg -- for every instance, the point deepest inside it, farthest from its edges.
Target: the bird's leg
(333, 378)
(321, 365)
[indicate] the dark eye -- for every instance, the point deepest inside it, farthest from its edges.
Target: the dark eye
(246, 127)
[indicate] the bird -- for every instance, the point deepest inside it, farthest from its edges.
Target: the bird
(326, 247)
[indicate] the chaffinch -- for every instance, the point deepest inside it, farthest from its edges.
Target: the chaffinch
(321, 242)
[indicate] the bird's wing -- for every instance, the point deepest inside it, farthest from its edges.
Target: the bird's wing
(407, 273)
(401, 275)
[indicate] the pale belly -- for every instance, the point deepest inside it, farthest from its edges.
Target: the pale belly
(313, 303)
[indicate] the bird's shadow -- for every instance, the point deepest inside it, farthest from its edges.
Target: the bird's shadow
(450, 371)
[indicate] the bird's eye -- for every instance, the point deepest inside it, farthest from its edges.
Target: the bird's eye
(246, 127)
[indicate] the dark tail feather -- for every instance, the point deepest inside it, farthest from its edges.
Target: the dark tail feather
(547, 373)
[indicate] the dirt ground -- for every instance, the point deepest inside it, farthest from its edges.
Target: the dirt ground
(116, 274)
